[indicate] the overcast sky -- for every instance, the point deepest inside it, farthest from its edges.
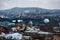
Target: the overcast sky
(49, 4)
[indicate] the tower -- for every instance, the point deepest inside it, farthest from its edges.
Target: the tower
(37, 12)
(16, 23)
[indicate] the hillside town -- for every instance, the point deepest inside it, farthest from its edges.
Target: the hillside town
(30, 27)
(22, 31)
(29, 19)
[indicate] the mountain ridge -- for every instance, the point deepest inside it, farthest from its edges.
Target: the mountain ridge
(31, 9)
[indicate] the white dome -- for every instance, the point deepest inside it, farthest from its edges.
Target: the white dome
(14, 21)
(20, 20)
(46, 20)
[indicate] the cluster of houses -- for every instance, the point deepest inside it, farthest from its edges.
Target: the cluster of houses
(21, 31)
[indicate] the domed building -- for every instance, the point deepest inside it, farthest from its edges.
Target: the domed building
(46, 20)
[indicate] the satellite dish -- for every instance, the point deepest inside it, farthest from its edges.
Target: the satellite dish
(46, 20)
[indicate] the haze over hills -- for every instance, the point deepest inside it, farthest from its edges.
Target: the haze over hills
(17, 10)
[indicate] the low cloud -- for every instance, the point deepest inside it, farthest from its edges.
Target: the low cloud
(49, 4)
